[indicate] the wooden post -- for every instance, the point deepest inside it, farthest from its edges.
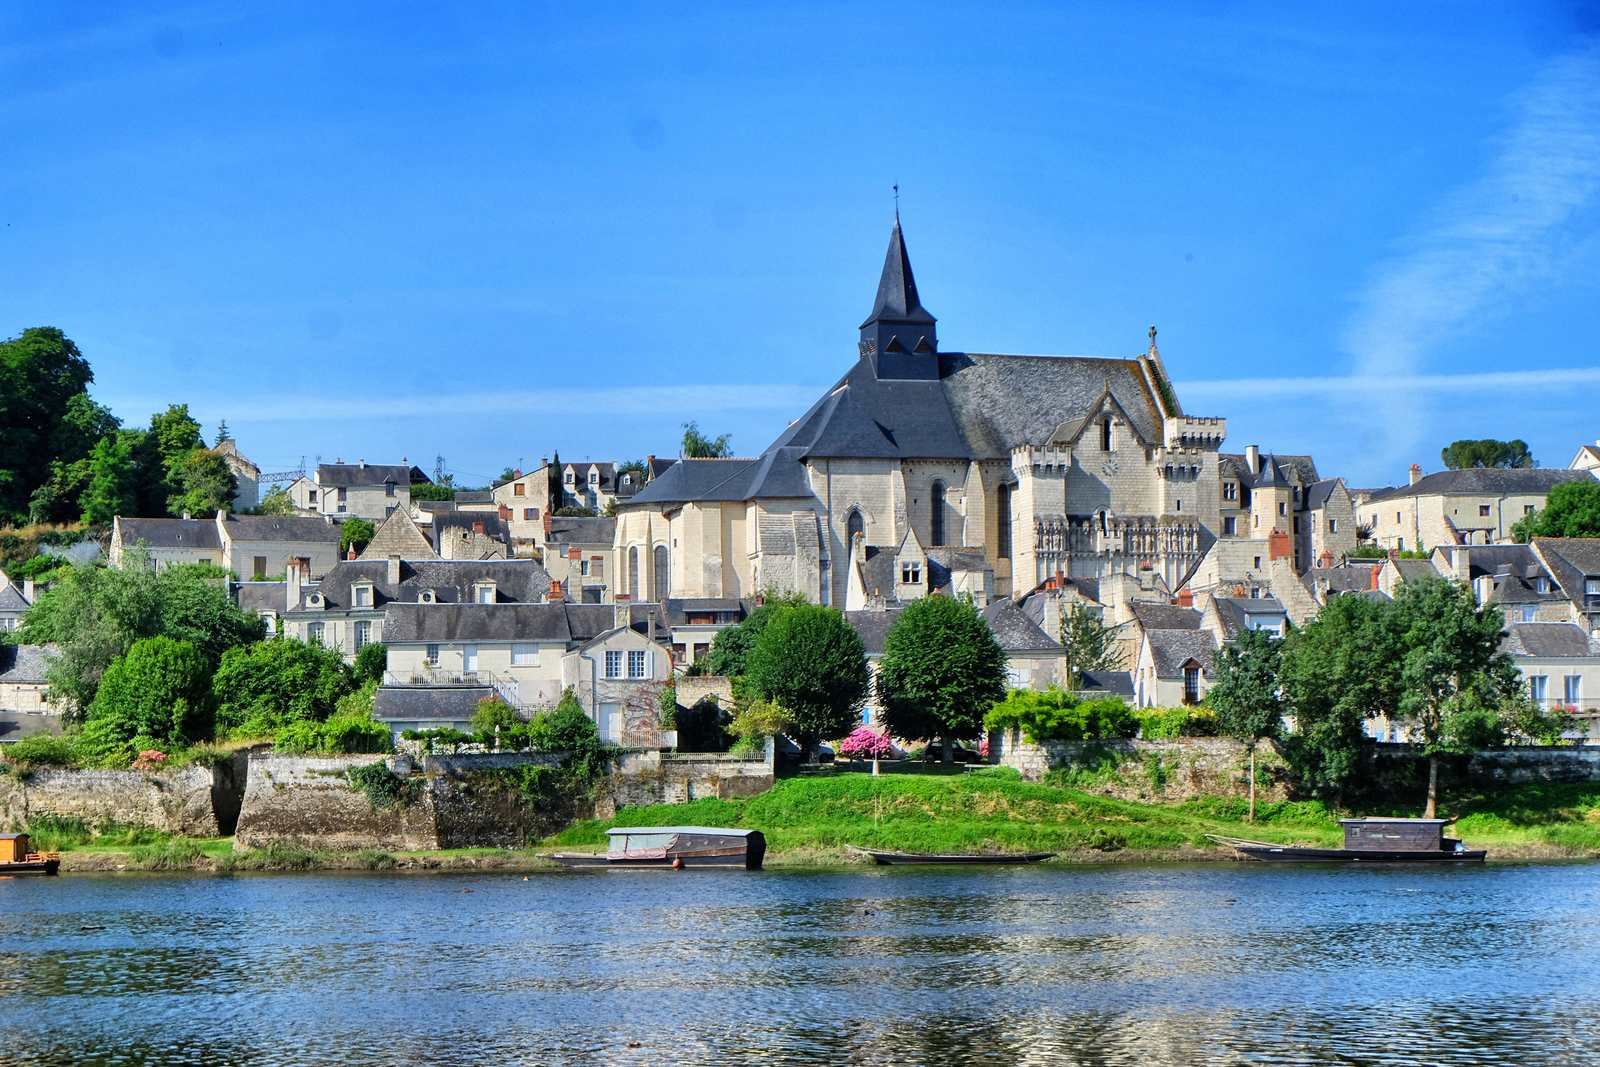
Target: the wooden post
(1252, 815)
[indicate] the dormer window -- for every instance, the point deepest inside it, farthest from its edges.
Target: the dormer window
(910, 573)
(314, 600)
(483, 593)
(1105, 434)
(361, 596)
(923, 346)
(594, 477)
(427, 596)
(571, 478)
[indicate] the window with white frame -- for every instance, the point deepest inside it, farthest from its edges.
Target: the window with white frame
(613, 664)
(483, 594)
(911, 573)
(638, 658)
(1572, 690)
(314, 631)
(430, 656)
(1539, 687)
(363, 635)
(361, 596)
(524, 655)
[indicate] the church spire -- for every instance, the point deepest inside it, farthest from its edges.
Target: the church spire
(899, 334)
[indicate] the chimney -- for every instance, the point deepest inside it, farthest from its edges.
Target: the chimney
(1186, 597)
(575, 554)
(27, 590)
(293, 581)
(544, 461)
(621, 613)
(1373, 582)
(1416, 473)
(477, 527)
(1252, 458)
(351, 554)
(547, 524)
(555, 596)
(392, 572)
(1279, 546)
(650, 624)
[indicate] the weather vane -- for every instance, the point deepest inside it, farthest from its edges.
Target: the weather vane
(896, 188)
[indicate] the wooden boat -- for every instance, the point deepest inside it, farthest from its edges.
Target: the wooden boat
(16, 859)
(887, 857)
(1368, 841)
(673, 848)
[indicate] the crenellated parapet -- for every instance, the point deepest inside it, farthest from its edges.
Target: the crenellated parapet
(1193, 432)
(1040, 458)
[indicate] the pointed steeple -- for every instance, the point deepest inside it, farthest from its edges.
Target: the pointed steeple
(899, 333)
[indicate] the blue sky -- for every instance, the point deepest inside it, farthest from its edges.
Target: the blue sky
(492, 231)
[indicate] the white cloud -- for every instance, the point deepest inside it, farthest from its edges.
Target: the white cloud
(1489, 241)
(1405, 385)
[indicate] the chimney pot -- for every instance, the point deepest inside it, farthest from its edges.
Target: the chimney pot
(1416, 473)
(1252, 458)
(351, 554)
(1373, 582)
(27, 590)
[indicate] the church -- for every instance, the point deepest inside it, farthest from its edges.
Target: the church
(924, 470)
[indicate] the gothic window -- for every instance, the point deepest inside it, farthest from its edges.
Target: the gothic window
(936, 503)
(855, 524)
(661, 583)
(1002, 541)
(633, 573)
(1105, 434)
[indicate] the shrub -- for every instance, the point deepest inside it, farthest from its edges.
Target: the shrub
(383, 787)
(1056, 715)
(1168, 724)
(157, 696)
(866, 743)
(496, 723)
(354, 734)
(44, 750)
(667, 704)
(757, 721)
(440, 736)
(264, 687)
(298, 738)
(370, 663)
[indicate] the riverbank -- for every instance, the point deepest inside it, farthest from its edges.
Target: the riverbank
(810, 822)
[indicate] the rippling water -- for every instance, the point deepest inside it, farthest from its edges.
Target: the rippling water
(1226, 963)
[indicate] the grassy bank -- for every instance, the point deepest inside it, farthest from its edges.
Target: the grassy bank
(809, 821)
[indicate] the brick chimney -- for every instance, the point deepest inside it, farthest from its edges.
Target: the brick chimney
(1373, 581)
(575, 554)
(1252, 458)
(1279, 546)
(555, 596)
(1186, 597)
(1416, 473)
(547, 523)
(351, 554)
(392, 572)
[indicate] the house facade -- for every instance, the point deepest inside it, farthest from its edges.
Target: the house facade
(253, 547)
(363, 490)
(1477, 506)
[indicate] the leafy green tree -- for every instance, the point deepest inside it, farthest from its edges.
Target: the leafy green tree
(113, 487)
(42, 419)
(1459, 455)
(371, 662)
(510, 474)
(941, 671)
(1089, 644)
(568, 729)
(276, 502)
(1337, 671)
(633, 466)
(1571, 510)
(429, 491)
(208, 484)
(1244, 694)
(264, 687)
(157, 695)
(1451, 668)
(730, 648)
(59, 498)
(697, 445)
(173, 434)
(810, 662)
(496, 723)
(356, 534)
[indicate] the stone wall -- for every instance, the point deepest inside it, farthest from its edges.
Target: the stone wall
(694, 688)
(672, 778)
(176, 802)
(1148, 770)
(1504, 766)
(309, 801)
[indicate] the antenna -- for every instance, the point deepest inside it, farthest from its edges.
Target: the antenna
(438, 470)
(896, 188)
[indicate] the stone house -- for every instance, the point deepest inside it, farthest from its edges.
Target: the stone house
(1174, 667)
(349, 608)
(24, 709)
(14, 602)
(1574, 564)
(580, 553)
(1508, 576)
(250, 546)
(1076, 466)
(1477, 506)
(470, 535)
(361, 490)
(246, 475)
(597, 485)
(525, 502)
(1560, 664)
(399, 535)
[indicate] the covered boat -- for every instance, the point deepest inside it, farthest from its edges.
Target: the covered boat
(673, 847)
(1369, 840)
(16, 859)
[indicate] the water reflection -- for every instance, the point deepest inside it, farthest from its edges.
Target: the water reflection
(1158, 965)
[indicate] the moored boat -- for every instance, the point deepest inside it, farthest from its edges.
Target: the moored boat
(887, 857)
(1368, 840)
(672, 847)
(16, 859)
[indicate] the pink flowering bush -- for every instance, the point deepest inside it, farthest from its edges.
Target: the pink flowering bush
(866, 743)
(151, 759)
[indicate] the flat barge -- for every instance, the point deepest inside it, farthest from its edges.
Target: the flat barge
(672, 848)
(1369, 840)
(15, 858)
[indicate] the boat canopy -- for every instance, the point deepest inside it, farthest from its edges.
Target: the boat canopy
(712, 831)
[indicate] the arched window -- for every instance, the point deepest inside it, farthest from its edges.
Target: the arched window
(662, 572)
(855, 524)
(1002, 507)
(633, 573)
(1105, 434)
(936, 505)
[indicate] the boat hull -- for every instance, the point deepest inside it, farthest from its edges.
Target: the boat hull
(600, 861)
(31, 867)
(1298, 854)
(953, 858)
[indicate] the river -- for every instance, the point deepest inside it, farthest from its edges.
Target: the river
(1106, 965)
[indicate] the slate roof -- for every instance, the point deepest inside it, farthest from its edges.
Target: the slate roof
(516, 580)
(353, 474)
(12, 600)
(873, 626)
(474, 496)
(655, 466)
(467, 520)
(428, 703)
(1171, 649)
(1483, 481)
(26, 664)
(1111, 683)
(574, 530)
(678, 610)
(1413, 570)
(441, 623)
(1488, 560)
(1236, 613)
(1015, 631)
(281, 528)
(1152, 616)
(1550, 640)
(897, 299)
(1571, 560)
(256, 597)
(1274, 466)
(174, 533)
(1317, 495)
(1352, 576)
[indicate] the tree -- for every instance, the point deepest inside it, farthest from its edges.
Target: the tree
(222, 433)
(1244, 694)
(173, 434)
(494, 721)
(941, 671)
(510, 474)
(208, 484)
(810, 662)
(276, 502)
(697, 445)
(356, 534)
(371, 662)
(732, 645)
(1336, 672)
(264, 687)
(42, 375)
(113, 487)
(1089, 644)
(1571, 510)
(1459, 455)
(1451, 668)
(155, 696)
(574, 511)
(633, 466)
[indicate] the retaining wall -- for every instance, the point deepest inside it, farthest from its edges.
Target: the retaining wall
(176, 802)
(693, 688)
(1148, 770)
(653, 777)
(309, 801)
